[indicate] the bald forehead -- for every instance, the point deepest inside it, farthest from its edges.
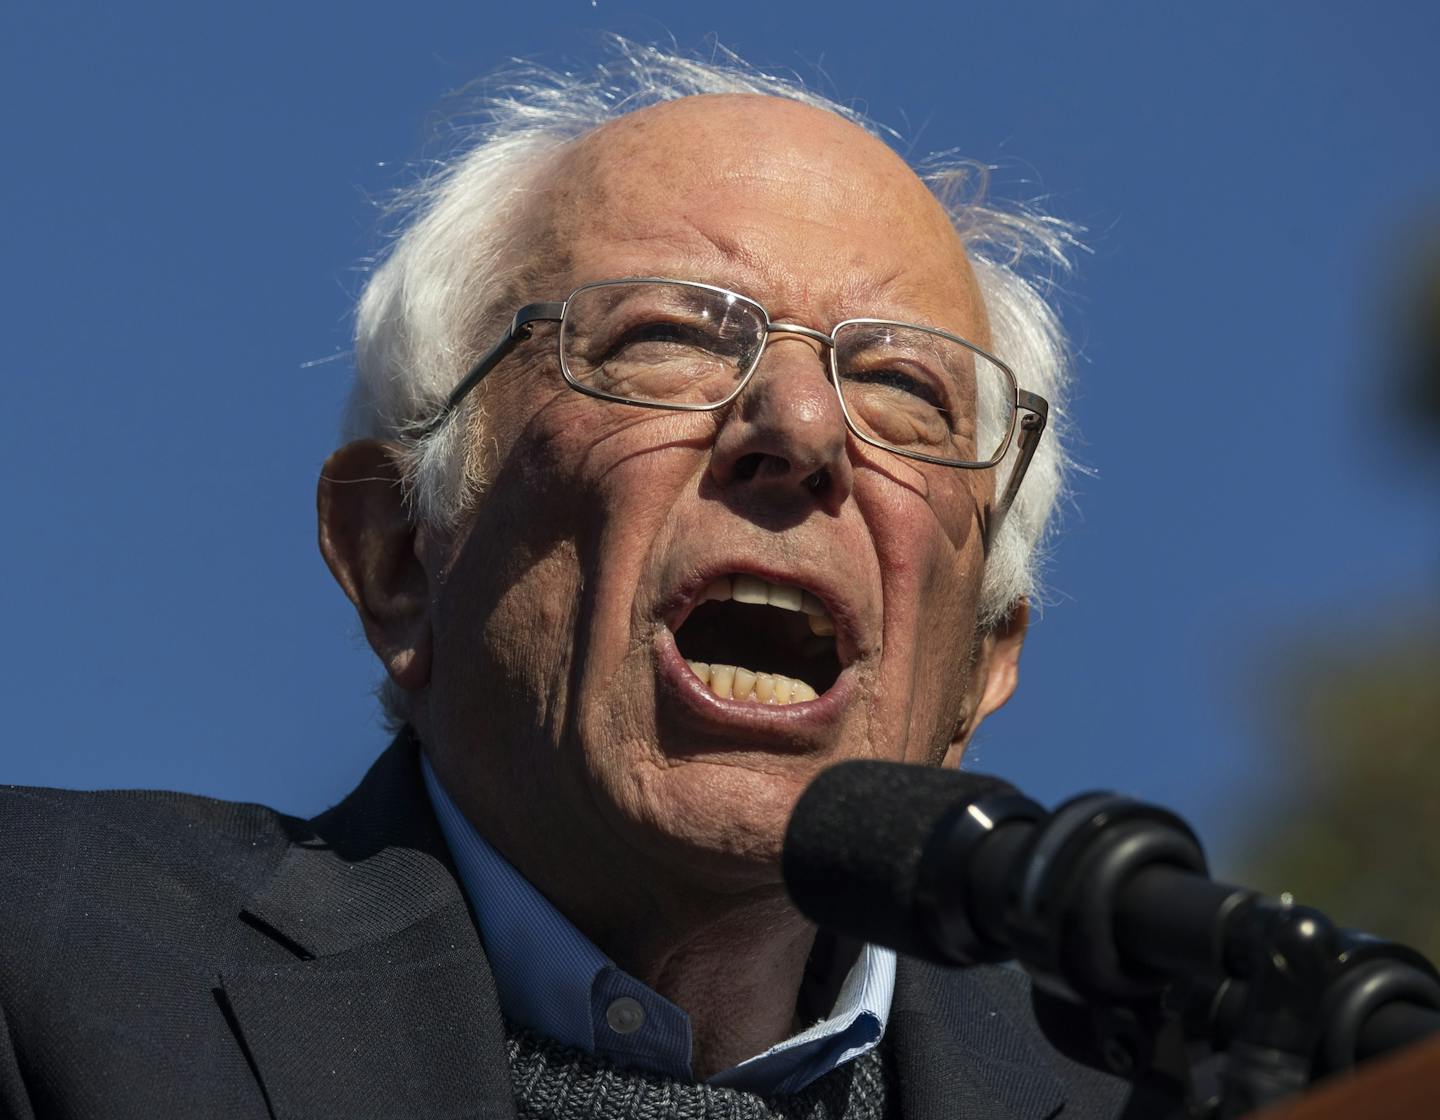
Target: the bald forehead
(724, 171)
(728, 127)
(715, 135)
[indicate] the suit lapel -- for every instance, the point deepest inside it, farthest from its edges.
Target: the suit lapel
(386, 1006)
(960, 1050)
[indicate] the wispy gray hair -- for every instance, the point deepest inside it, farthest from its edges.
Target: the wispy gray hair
(431, 304)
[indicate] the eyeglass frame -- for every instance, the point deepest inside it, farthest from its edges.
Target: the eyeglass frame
(1031, 426)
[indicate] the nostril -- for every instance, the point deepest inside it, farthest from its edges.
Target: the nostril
(758, 465)
(748, 466)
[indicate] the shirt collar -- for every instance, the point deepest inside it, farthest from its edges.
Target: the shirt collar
(553, 980)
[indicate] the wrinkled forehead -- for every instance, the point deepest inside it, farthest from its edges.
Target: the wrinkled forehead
(722, 187)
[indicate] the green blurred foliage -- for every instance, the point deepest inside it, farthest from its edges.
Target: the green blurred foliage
(1356, 830)
(1353, 826)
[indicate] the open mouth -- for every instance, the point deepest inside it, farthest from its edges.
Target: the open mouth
(769, 643)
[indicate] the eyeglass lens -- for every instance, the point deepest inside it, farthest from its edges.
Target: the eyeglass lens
(906, 387)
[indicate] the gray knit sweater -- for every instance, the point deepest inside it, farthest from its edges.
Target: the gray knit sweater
(554, 1082)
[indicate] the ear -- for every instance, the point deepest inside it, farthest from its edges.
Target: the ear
(993, 677)
(372, 548)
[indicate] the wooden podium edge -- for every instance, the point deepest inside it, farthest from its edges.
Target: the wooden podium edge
(1403, 1086)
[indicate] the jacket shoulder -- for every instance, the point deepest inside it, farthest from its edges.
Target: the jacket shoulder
(168, 855)
(122, 909)
(40, 825)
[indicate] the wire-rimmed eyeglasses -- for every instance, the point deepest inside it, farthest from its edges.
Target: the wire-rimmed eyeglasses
(916, 391)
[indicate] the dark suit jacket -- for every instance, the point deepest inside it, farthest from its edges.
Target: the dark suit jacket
(163, 955)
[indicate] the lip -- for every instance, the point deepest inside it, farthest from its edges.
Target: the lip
(684, 600)
(731, 716)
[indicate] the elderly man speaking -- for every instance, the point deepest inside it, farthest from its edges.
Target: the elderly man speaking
(697, 446)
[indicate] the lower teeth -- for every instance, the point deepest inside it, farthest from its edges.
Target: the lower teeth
(730, 682)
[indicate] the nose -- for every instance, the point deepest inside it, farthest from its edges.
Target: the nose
(785, 437)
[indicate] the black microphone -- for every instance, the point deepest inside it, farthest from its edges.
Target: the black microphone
(855, 845)
(1106, 901)
(1104, 896)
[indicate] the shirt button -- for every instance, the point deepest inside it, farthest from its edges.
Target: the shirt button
(625, 1015)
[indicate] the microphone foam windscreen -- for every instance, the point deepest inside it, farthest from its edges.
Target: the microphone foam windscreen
(852, 849)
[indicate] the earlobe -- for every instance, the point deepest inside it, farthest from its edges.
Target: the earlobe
(993, 677)
(372, 549)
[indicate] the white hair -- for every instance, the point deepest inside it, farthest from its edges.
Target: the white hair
(432, 304)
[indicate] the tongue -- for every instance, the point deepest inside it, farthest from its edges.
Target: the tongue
(733, 682)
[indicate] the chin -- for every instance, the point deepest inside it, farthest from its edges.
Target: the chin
(723, 821)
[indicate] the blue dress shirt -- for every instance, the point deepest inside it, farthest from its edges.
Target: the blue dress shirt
(552, 979)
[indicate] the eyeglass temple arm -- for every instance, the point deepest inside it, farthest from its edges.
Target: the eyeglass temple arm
(1032, 427)
(520, 329)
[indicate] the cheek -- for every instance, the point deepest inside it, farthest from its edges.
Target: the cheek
(539, 593)
(602, 451)
(612, 476)
(927, 534)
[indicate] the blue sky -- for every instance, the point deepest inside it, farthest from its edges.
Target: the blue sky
(190, 198)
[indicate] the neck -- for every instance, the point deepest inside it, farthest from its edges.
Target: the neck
(729, 953)
(735, 969)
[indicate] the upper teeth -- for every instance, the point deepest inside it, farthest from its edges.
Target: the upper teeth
(753, 589)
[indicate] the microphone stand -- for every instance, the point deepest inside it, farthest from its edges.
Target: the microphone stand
(1213, 1000)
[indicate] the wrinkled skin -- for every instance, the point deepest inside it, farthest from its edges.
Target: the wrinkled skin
(532, 639)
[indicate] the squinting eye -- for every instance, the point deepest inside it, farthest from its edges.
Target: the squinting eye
(661, 331)
(901, 381)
